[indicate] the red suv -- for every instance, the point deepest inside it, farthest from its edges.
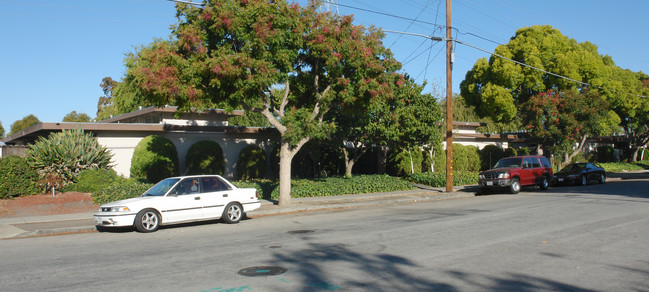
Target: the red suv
(514, 172)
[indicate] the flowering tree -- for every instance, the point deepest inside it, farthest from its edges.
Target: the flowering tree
(563, 119)
(286, 62)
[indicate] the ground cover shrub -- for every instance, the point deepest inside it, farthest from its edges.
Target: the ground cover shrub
(331, 186)
(90, 181)
(438, 179)
(60, 157)
(251, 163)
(154, 159)
(17, 178)
(205, 157)
(120, 190)
(644, 164)
(623, 166)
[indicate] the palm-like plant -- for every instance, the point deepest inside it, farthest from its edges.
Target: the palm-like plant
(60, 157)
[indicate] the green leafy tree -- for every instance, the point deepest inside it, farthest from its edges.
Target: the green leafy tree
(498, 87)
(238, 53)
(563, 119)
(409, 121)
(361, 125)
(61, 156)
(2, 131)
(635, 113)
(75, 117)
(24, 123)
(106, 105)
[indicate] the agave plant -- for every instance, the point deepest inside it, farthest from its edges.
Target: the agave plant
(60, 157)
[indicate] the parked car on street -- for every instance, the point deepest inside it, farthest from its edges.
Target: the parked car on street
(580, 174)
(512, 173)
(178, 200)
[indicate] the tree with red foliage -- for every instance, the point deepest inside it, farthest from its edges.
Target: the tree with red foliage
(563, 119)
(286, 62)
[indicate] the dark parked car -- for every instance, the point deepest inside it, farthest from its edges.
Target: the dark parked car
(512, 173)
(580, 173)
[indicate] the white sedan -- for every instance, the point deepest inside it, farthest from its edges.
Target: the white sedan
(180, 199)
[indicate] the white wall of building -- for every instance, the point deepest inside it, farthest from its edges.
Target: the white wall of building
(122, 147)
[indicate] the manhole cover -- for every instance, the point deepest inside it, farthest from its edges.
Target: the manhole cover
(299, 231)
(262, 271)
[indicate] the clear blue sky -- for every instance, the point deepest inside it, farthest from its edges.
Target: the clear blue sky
(54, 53)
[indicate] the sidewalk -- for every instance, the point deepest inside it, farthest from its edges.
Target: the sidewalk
(20, 227)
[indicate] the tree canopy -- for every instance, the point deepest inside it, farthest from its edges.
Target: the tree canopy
(286, 62)
(106, 104)
(2, 131)
(498, 88)
(73, 116)
(24, 123)
(560, 120)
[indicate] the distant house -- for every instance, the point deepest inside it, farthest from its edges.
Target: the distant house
(466, 133)
(122, 133)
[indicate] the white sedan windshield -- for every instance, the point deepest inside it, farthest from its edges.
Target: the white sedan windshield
(161, 188)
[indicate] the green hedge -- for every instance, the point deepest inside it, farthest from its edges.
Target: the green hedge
(251, 163)
(90, 181)
(17, 178)
(154, 159)
(332, 186)
(205, 157)
(438, 179)
(120, 190)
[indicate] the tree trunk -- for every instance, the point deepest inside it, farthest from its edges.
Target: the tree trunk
(286, 154)
(431, 154)
(634, 154)
(569, 158)
(412, 164)
(285, 159)
(351, 161)
(382, 159)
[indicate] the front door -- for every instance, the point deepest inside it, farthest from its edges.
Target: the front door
(184, 202)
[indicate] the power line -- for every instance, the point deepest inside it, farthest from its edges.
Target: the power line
(187, 2)
(386, 14)
(410, 24)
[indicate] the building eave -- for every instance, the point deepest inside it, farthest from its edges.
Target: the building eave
(168, 109)
(44, 129)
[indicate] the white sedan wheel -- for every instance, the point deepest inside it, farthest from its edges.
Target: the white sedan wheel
(233, 213)
(147, 220)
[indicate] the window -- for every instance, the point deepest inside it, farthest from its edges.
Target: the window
(213, 184)
(188, 186)
(545, 162)
(535, 163)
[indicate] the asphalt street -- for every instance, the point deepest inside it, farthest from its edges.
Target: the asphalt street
(591, 238)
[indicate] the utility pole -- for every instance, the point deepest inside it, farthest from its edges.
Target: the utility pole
(449, 100)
